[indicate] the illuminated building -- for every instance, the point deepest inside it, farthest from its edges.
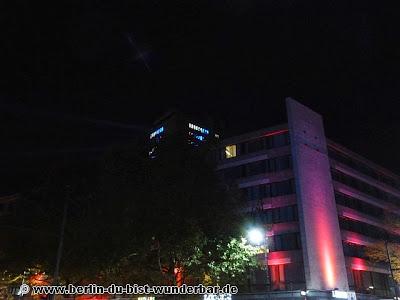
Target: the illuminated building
(321, 205)
(179, 128)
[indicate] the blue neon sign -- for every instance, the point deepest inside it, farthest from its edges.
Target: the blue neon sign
(157, 132)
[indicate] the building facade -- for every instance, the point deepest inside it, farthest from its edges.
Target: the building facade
(321, 205)
(180, 128)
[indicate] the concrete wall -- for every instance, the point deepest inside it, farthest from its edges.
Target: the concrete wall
(323, 257)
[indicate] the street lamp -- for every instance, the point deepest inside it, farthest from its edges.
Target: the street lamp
(256, 236)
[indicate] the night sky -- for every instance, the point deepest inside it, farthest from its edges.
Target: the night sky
(79, 77)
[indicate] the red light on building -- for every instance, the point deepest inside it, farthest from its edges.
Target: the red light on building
(359, 264)
(278, 258)
(276, 132)
(326, 248)
(329, 268)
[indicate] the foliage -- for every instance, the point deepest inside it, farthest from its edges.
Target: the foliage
(32, 276)
(133, 219)
(232, 261)
(377, 252)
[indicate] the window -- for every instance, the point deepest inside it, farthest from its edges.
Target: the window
(287, 241)
(279, 188)
(276, 141)
(359, 205)
(243, 148)
(361, 167)
(253, 193)
(269, 190)
(255, 145)
(275, 164)
(363, 186)
(363, 228)
(264, 143)
(363, 280)
(231, 174)
(353, 250)
(230, 151)
(357, 279)
(280, 140)
(255, 168)
(280, 214)
(283, 163)
(380, 282)
(277, 277)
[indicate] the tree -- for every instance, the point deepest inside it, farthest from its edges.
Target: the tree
(232, 260)
(184, 215)
(378, 253)
(135, 219)
(30, 238)
(387, 250)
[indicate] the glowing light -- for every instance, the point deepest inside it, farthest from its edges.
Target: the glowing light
(38, 279)
(276, 132)
(156, 132)
(303, 293)
(359, 264)
(329, 273)
(353, 238)
(278, 258)
(279, 261)
(339, 294)
(230, 151)
(199, 137)
(198, 128)
(326, 250)
(256, 236)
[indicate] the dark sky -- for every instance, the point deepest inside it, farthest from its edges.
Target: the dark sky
(79, 76)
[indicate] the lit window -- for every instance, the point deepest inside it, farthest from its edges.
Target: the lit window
(230, 151)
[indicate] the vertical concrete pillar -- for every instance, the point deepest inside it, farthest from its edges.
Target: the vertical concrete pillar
(324, 262)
